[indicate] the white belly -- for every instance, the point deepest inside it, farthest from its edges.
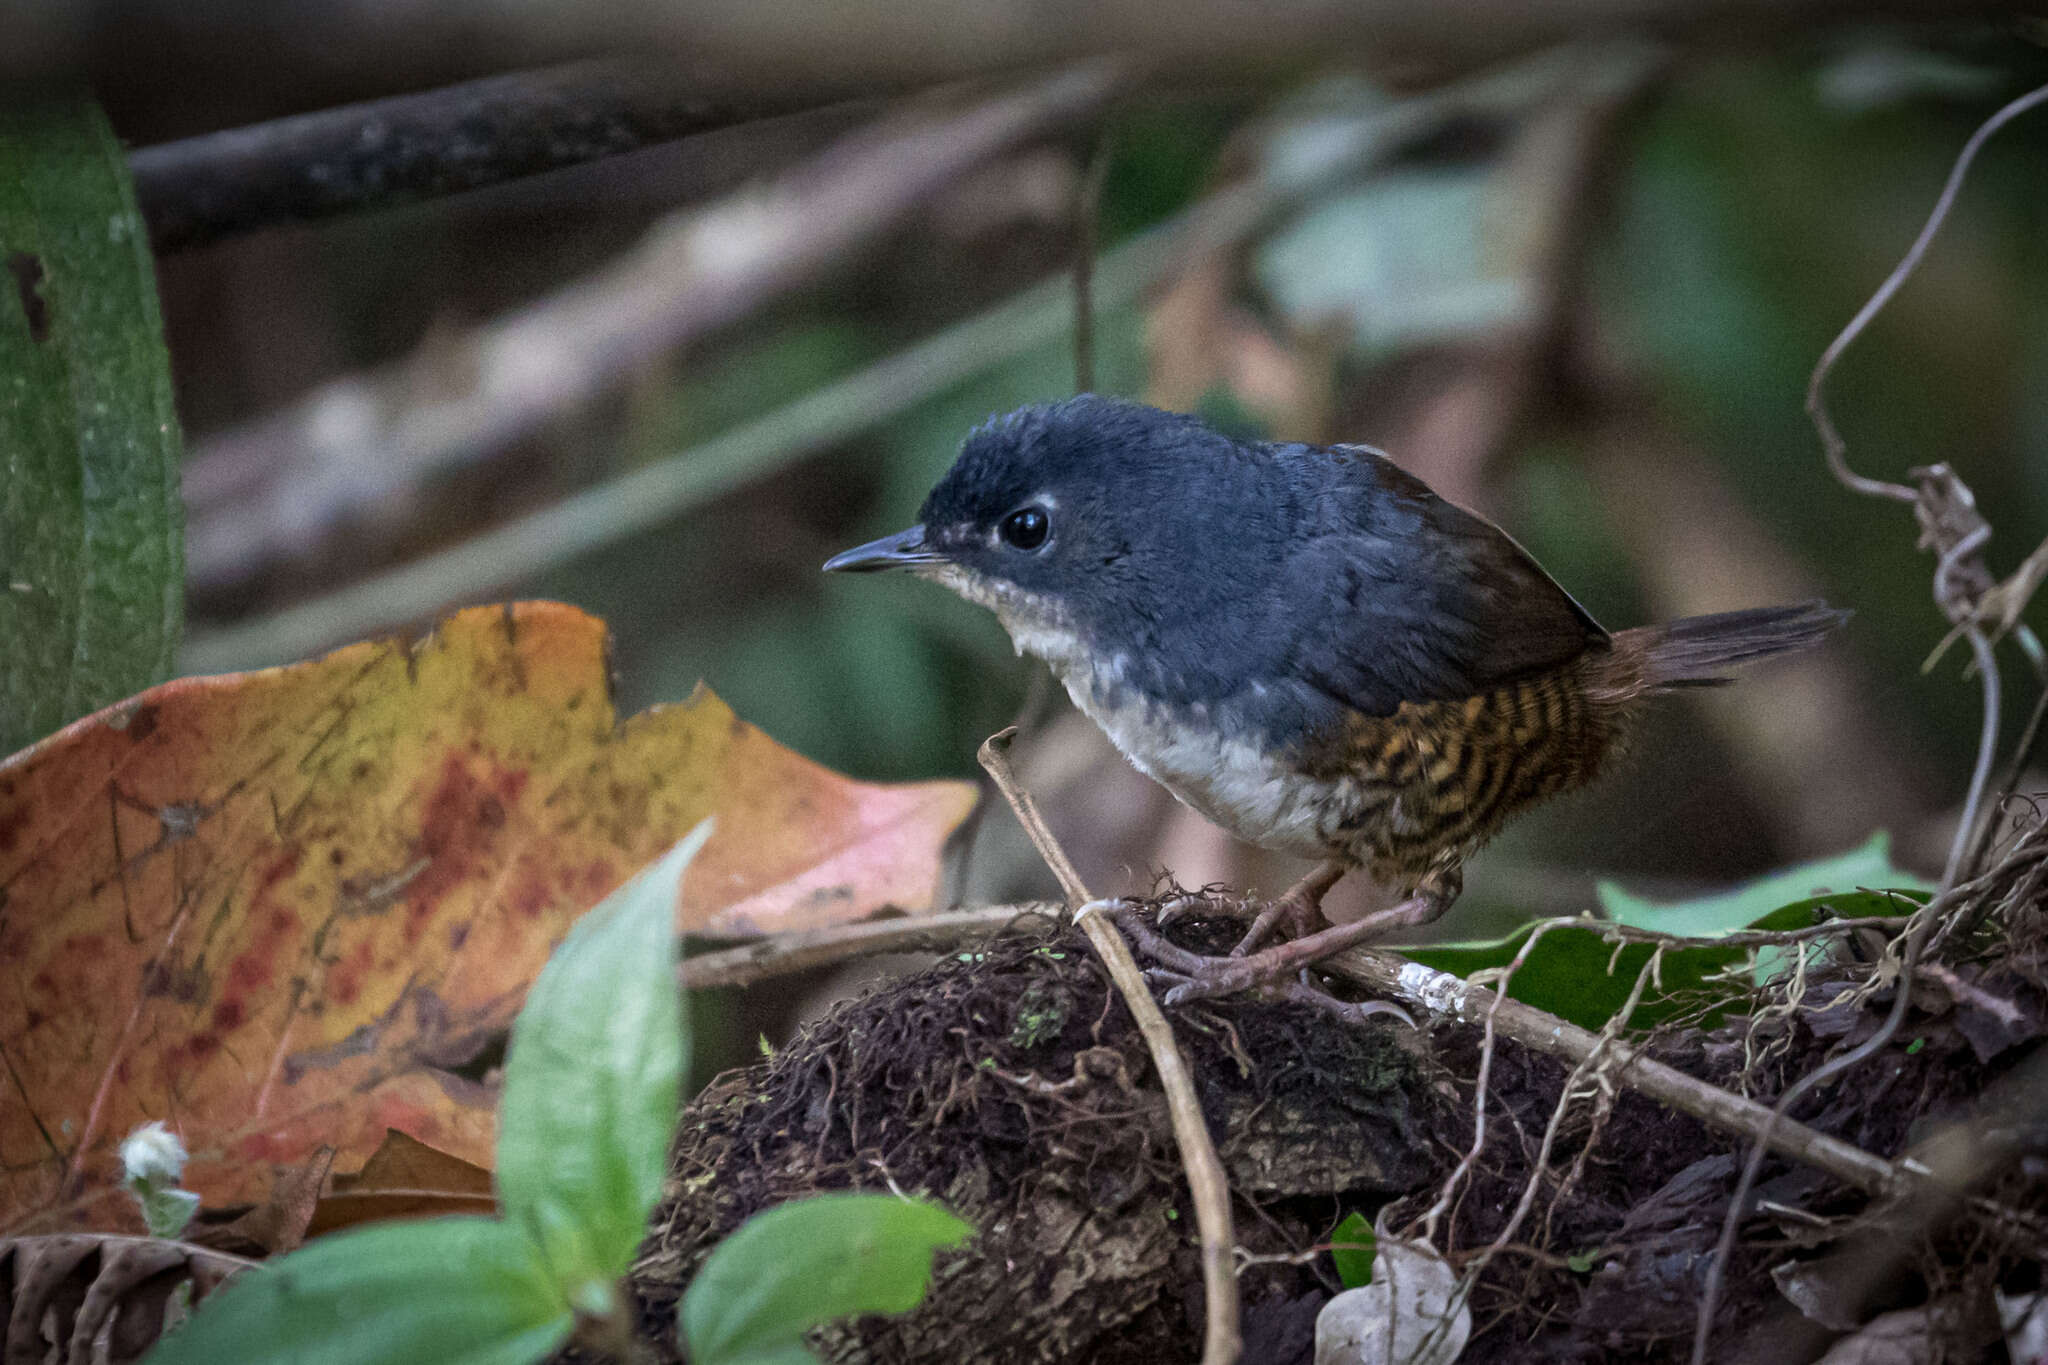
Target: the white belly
(1231, 781)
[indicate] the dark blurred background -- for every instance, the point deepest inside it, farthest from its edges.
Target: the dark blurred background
(1580, 290)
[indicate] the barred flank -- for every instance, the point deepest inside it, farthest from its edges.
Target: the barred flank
(1435, 779)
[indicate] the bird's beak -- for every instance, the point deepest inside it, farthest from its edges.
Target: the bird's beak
(899, 551)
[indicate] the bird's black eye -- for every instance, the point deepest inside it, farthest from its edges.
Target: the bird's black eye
(1026, 528)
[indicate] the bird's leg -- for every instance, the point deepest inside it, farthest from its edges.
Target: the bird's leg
(1228, 975)
(1299, 913)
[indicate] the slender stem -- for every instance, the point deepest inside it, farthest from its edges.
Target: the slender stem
(1221, 1338)
(1087, 215)
(1965, 842)
(805, 949)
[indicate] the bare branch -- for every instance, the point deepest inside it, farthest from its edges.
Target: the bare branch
(836, 47)
(362, 436)
(1443, 996)
(1832, 444)
(409, 147)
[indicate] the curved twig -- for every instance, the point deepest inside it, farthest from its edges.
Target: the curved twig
(1954, 538)
(1832, 444)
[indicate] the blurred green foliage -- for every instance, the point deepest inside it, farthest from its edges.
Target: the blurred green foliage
(1754, 217)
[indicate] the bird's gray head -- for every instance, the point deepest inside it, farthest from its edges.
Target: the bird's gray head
(1088, 523)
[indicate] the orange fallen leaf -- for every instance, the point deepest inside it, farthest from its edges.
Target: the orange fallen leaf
(278, 909)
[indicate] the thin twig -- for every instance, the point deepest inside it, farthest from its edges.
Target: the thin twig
(802, 950)
(2022, 754)
(1207, 1184)
(1965, 841)
(1611, 932)
(1444, 996)
(1832, 444)
(1087, 217)
(806, 949)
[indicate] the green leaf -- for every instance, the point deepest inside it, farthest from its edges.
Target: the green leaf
(165, 1212)
(1407, 261)
(799, 1265)
(1834, 881)
(447, 1291)
(1567, 973)
(1577, 975)
(1352, 1247)
(91, 528)
(591, 1081)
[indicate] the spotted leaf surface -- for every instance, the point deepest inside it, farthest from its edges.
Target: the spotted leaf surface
(288, 908)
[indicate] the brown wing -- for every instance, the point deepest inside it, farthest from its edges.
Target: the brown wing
(1424, 601)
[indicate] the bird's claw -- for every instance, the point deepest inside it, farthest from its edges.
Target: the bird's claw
(1216, 976)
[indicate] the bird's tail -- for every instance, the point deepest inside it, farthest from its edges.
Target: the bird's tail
(1700, 650)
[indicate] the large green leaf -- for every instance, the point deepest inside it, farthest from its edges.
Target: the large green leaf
(451, 1291)
(799, 1265)
(1836, 881)
(591, 1083)
(91, 531)
(1578, 975)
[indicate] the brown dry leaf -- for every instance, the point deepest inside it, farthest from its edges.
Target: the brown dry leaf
(277, 909)
(67, 1291)
(404, 1178)
(279, 1223)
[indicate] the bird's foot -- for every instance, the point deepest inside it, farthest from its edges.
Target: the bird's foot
(1282, 971)
(1278, 973)
(1296, 915)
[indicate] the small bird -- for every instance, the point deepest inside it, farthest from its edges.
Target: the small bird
(1303, 643)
